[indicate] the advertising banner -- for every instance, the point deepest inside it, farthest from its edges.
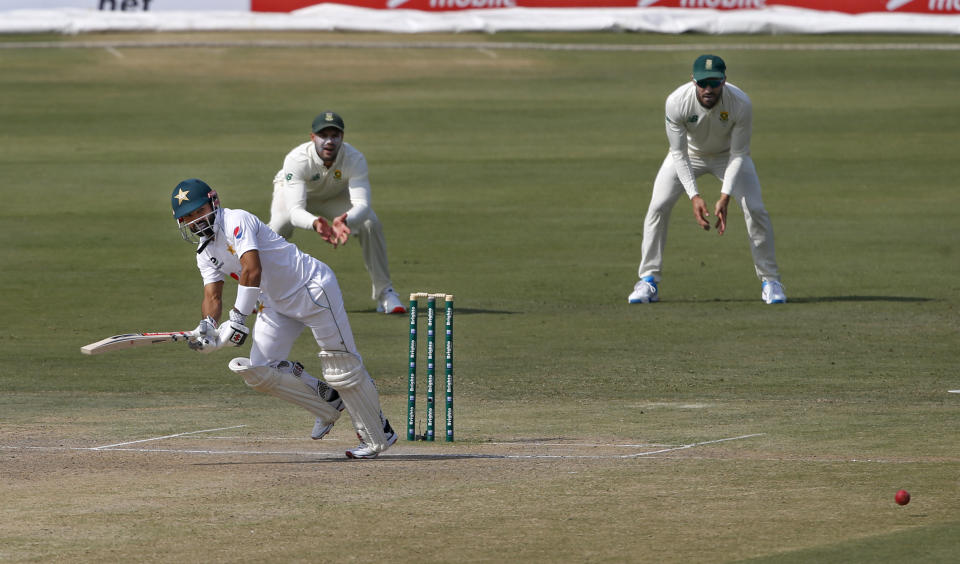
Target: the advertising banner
(845, 6)
(941, 7)
(130, 5)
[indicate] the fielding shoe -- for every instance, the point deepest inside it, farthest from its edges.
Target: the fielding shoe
(389, 302)
(364, 450)
(773, 292)
(644, 291)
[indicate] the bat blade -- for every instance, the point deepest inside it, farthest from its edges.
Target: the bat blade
(131, 340)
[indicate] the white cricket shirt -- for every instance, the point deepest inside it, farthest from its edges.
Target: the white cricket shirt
(285, 268)
(305, 177)
(723, 129)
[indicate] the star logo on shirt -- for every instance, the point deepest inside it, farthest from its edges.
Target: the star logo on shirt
(182, 196)
(231, 249)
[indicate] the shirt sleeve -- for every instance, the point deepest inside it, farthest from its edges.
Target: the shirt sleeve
(359, 188)
(295, 194)
(677, 136)
(207, 272)
(739, 147)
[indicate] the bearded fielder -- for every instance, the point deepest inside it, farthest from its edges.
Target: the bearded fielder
(709, 123)
(290, 291)
(324, 186)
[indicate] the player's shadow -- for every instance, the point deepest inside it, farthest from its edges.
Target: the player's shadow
(422, 312)
(817, 299)
(828, 299)
(381, 459)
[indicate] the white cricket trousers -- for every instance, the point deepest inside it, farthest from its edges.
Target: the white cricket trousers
(373, 244)
(667, 189)
(318, 305)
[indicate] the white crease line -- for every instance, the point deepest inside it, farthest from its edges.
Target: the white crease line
(387, 455)
(661, 451)
(614, 445)
(165, 437)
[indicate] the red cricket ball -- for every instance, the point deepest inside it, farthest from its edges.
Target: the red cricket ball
(902, 497)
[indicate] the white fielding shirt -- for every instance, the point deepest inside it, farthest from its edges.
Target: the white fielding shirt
(723, 129)
(285, 268)
(305, 176)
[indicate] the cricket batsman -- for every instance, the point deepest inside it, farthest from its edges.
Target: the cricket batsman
(289, 290)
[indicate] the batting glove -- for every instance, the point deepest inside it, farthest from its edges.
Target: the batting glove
(204, 336)
(233, 332)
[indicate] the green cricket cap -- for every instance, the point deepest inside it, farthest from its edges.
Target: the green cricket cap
(325, 120)
(189, 196)
(709, 66)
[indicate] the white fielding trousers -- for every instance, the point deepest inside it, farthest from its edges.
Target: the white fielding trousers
(318, 305)
(667, 189)
(373, 244)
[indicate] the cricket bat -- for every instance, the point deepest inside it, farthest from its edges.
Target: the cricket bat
(129, 340)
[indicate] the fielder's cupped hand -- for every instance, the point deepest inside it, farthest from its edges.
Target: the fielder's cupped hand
(336, 234)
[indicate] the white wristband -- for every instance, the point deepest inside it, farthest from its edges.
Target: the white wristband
(247, 297)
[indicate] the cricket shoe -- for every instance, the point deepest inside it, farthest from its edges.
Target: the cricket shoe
(644, 291)
(389, 302)
(369, 451)
(773, 292)
(331, 396)
(320, 429)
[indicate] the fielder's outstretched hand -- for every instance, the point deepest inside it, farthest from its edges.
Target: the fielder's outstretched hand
(700, 212)
(341, 233)
(336, 234)
(322, 226)
(721, 212)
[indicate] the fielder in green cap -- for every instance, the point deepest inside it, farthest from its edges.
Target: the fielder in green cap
(324, 186)
(709, 123)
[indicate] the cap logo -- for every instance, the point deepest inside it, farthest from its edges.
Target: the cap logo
(708, 64)
(182, 196)
(328, 116)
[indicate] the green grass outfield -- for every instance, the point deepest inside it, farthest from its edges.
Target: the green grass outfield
(516, 179)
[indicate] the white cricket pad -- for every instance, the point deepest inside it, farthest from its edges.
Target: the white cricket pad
(345, 373)
(285, 385)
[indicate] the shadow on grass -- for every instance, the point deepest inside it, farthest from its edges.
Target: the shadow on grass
(381, 459)
(440, 309)
(817, 300)
(825, 299)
